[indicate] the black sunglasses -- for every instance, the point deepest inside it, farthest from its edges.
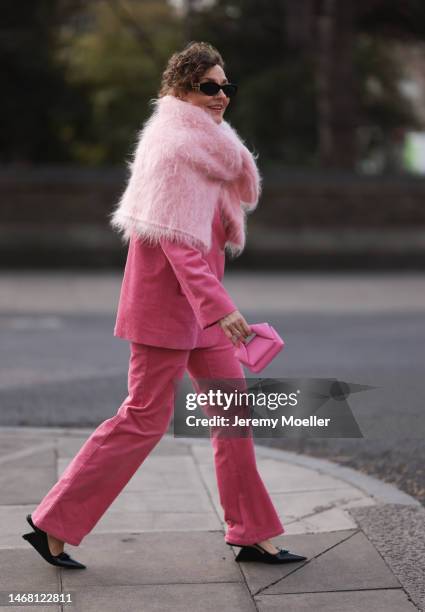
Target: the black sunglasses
(211, 89)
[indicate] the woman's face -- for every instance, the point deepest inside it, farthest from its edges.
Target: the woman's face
(215, 105)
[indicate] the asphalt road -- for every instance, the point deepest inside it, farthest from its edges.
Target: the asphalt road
(61, 364)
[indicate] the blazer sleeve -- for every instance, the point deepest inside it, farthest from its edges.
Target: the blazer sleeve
(205, 293)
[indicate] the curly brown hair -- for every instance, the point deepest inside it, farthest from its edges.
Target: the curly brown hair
(187, 66)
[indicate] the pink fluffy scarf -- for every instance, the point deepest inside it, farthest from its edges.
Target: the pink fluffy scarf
(183, 166)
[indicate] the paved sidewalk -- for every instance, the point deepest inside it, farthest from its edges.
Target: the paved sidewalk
(160, 545)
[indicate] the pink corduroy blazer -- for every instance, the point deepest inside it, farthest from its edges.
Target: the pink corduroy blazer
(172, 295)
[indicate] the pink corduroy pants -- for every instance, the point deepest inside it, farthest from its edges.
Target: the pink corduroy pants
(117, 448)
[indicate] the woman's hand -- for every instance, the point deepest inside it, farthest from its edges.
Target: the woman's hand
(235, 327)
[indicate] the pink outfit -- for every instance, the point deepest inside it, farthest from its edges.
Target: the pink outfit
(170, 302)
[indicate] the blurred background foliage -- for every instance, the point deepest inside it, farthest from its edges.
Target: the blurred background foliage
(322, 82)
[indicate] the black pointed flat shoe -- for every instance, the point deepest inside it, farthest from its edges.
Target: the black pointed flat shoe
(38, 539)
(255, 552)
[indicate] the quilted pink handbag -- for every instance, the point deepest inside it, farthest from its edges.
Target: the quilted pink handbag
(258, 352)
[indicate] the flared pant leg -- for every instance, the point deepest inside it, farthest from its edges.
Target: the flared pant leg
(115, 450)
(248, 510)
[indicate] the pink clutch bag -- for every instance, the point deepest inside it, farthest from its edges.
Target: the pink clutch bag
(258, 352)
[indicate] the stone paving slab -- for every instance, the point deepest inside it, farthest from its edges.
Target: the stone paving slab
(152, 558)
(37, 608)
(34, 482)
(21, 570)
(11, 443)
(119, 521)
(307, 503)
(162, 501)
(281, 479)
(321, 522)
(382, 600)
(13, 525)
(352, 564)
(277, 477)
(223, 596)
(40, 457)
(259, 576)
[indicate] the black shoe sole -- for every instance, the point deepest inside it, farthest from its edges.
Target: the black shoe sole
(31, 524)
(250, 553)
(38, 540)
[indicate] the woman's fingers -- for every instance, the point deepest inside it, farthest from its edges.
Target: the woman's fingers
(242, 327)
(228, 332)
(235, 327)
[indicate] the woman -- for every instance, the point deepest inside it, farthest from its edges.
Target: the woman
(192, 183)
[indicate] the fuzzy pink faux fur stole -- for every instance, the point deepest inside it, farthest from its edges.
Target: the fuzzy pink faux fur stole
(183, 166)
